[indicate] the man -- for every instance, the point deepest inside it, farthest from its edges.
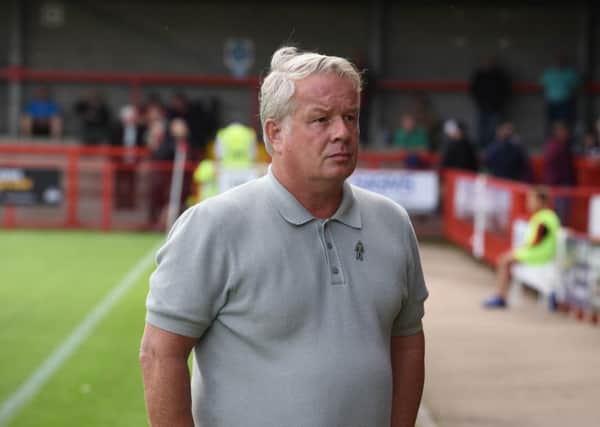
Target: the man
(42, 116)
(505, 158)
(235, 149)
(559, 167)
(300, 295)
(539, 247)
(457, 152)
(560, 82)
(490, 88)
(95, 119)
(129, 134)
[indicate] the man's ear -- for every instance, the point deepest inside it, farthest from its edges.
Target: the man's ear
(274, 132)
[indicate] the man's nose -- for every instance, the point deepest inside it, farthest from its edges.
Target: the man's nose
(341, 129)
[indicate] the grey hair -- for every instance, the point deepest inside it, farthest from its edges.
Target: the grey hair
(288, 65)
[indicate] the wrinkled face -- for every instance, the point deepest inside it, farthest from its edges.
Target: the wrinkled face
(318, 141)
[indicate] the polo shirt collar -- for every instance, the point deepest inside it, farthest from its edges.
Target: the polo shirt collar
(293, 212)
(348, 212)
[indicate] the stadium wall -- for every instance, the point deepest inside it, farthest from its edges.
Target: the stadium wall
(448, 42)
(432, 41)
(4, 43)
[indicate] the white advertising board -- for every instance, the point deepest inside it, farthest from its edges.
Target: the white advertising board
(416, 191)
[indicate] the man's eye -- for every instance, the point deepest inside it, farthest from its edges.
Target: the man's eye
(350, 118)
(320, 120)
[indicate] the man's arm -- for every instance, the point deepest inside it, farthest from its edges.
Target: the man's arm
(408, 371)
(163, 357)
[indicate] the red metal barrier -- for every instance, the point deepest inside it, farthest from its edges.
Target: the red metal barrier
(459, 223)
(137, 79)
(587, 170)
(395, 158)
(90, 178)
(94, 198)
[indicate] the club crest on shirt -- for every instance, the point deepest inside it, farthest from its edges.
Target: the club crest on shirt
(359, 251)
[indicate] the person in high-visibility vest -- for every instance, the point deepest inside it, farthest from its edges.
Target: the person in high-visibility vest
(235, 146)
(205, 177)
(235, 151)
(540, 244)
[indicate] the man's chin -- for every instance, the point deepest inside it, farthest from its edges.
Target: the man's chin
(340, 173)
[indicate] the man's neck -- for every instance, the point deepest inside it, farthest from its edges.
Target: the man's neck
(322, 199)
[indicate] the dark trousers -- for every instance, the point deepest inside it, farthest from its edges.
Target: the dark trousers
(564, 111)
(160, 181)
(487, 122)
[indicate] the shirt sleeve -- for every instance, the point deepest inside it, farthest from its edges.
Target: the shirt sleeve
(189, 285)
(408, 321)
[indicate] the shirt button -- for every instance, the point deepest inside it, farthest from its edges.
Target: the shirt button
(335, 270)
(329, 245)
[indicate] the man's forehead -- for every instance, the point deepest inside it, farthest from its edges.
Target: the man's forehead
(321, 90)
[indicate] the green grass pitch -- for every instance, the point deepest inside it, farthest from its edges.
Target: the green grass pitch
(49, 282)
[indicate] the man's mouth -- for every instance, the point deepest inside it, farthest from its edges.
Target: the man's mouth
(340, 156)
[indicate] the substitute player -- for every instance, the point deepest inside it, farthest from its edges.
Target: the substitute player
(300, 295)
(539, 247)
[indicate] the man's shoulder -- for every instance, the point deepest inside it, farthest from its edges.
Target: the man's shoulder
(379, 205)
(238, 200)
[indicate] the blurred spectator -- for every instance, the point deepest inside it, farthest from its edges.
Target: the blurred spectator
(427, 118)
(179, 133)
(491, 88)
(558, 158)
(505, 157)
(157, 133)
(128, 133)
(179, 108)
(539, 246)
(204, 120)
(235, 146)
(152, 100)
(560, 83)
(457, 151)
(590, 143)
(42, 116)
(94, 117)
(162, 149)
(559, 166)
(409, 136)
(413, 139)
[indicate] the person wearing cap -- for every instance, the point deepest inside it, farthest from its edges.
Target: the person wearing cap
(539, 247)
(300, 295)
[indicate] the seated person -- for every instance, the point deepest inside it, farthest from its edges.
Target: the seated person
(539, 247)
(42, 116)
(412, 138)
(94, 117)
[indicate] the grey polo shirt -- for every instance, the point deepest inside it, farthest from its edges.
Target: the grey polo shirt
(294, 314)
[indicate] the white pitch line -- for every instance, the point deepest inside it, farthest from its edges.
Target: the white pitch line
(424, 418)
(29, 388)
